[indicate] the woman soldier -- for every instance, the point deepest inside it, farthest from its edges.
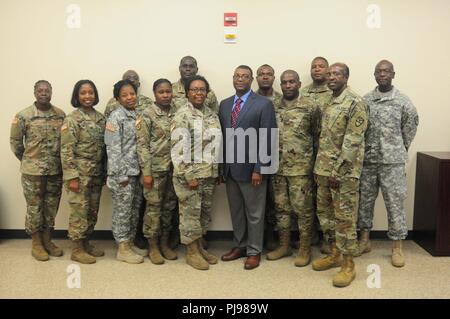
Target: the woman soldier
(123, 172)
(195, 169)
(83, 163)
(35, 140)
(153, 135)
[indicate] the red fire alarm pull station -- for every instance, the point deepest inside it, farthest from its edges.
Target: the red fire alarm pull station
(230, 19)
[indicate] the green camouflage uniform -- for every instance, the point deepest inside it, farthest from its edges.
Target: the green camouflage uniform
(35, 140)
(195, 205)
(341, 155)
(292, 185)
(83, 157)
(180, 99)
(153, 148)
(142, 103)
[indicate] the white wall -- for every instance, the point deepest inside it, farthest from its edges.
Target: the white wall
(152, 36)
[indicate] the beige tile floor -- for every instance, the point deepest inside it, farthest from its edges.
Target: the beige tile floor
(21, 276)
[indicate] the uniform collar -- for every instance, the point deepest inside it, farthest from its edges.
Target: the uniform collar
(377, 95)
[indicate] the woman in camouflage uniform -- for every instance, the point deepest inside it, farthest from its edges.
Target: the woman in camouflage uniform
(195, 178)
(83, 164)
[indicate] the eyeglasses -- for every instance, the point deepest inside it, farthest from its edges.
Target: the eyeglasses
(244, 77)
(198, 90)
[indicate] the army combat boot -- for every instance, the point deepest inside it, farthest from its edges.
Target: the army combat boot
(304, 253)
(79, 253)
(37, 249)
(364, 243)
(194, 258)
(210, 258)
(398, 259)
(91, 249)
(332, 260)
(126, 254)
(153, 251)
(347, 273)
(140, 251)
(166, 250)
(49, 246)
(284, 249)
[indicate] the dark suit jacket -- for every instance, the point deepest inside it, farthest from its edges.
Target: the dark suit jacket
(258, 112)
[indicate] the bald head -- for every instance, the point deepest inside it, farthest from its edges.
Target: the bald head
(133, 77)
(387, 63)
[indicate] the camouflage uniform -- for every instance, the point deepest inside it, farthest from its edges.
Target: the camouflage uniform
(142, 103)
(153, 147)
(83, 157)
(340, 155)
(35, 140)
(392, 126)
(180, 99)
(292, 184)
(123, 166)
(195, 205)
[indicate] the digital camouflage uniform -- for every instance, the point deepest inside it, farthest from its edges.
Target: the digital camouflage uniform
(292, 185)
(83, 157)
(142, 103)
(35, 140)
(340, 155)
(180, 99)
(153, 147)
(392, 126)
(123, 166)
(195, 205)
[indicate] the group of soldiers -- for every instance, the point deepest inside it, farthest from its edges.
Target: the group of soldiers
(335, 150)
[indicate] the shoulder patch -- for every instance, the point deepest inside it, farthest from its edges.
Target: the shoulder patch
(138, 123)
(110, 127)
(359, 121)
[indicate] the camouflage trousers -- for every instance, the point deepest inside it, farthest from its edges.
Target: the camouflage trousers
(84, 206)
(42, 194)
(337, 210)
(270, 219)
(161, 205)
(195, 207)
(126, 203)
(391, 178)
(293, 195)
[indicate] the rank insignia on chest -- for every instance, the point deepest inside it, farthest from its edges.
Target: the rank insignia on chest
(138, 124)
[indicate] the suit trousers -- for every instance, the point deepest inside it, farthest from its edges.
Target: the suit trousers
(247, 208)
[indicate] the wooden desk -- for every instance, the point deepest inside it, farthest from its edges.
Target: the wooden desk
(432, 203)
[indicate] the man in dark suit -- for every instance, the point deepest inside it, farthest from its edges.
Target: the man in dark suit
(247, 121)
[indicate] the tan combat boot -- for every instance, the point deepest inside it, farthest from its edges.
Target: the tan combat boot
(91, 249)
(347, 273)
(79, 253)
(284, 249)
(194, 258)
(304, 253)
(153, 251)
(332, 260)
(37, 249)
(398, 259)
(137, 250)
(49, 246)
(126, 254)
(166, 251)
(325, 248)
(364, 243)
(210, 258)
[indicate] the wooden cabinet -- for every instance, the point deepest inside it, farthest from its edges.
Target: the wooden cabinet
(432, 203)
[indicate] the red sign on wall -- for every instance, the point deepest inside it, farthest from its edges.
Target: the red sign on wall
(230, 19)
